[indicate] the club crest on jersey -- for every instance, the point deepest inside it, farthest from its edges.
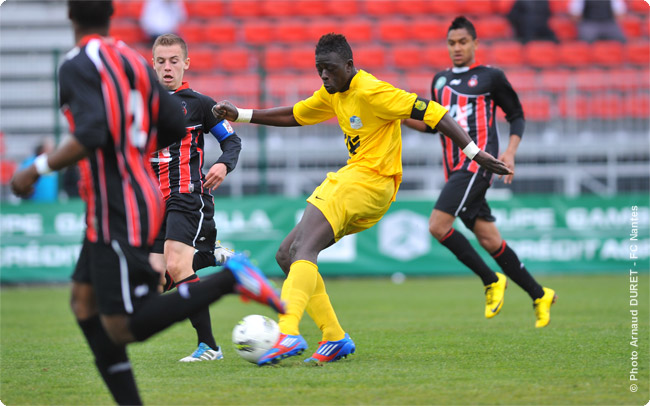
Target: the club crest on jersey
(440, 83)
(355, 122)
(184, 105)
(473, 81)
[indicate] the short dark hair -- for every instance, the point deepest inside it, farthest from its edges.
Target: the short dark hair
(90, 13)
(167, 40)
(462, 22)
(334, 43)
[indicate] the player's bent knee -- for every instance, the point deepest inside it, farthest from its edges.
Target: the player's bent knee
(117, 328)
(283, 259)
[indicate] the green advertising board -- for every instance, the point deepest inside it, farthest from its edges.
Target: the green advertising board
(551, 234)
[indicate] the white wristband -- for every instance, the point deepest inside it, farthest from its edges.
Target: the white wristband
(41, 165)
(471, 150)
(244, 115)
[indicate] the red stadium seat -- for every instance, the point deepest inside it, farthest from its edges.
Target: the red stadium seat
(276, 58)
(476, 7)
(413, 7)
(310, 7)
(555, 80)
(574, 106)
(369, 57)
(436, 56)
(631, 26)
(127, 8)
(278, 8)
(607, 53)
(606, 106)
(492, 28)
(380, 8)
(502, 6)
(246, 8)
(204, 8)
(419, 82)
(523, 80)
(575, 54)
(637, 105)
(294, 30)
(625, 78)
(233, 59)
(638, 52)
(638, 6)
(357, 30)
(302, 58)
(193, 33)
(258, 31)
(407, 56)
(220, 32)
(564, 27)
(129, 32)
(203, 59)
(541, 54)
(320, 27)
(536, 107)
(559, 6)
(591, 79)
(342, 8)
(482, 54)
(394, 30)
(507, 54)
(428, 29)
(145, 51)
(447, 8)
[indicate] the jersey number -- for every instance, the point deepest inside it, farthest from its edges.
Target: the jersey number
(136, 108)
(352, 144)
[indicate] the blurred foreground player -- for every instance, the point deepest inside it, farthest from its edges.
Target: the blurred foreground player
(357, 196)
(186, 242)
(118, 115)
(472, 92)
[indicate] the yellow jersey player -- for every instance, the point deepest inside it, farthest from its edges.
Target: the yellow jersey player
(354, 198)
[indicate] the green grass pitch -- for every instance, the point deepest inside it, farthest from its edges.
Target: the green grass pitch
(418, 343)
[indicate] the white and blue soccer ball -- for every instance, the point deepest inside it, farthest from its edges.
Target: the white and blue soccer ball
(254, 335)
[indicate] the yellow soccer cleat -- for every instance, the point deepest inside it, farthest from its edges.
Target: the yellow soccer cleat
(494, 294)
(542, 308)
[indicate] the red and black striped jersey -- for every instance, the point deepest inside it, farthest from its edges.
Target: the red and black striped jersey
(119, 113)
(179, 166)
(472, 94)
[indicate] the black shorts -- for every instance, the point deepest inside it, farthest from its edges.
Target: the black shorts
(464, 196)
(120, 274)
(189, 218)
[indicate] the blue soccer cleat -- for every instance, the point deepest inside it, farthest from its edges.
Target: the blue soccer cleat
(287, 346)
(252, 284)
(330, 351)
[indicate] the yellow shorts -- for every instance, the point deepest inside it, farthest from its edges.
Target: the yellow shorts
(354, 198)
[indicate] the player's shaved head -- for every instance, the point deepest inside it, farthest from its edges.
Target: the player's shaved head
(90, 13)
(461, 22)
(334, 43)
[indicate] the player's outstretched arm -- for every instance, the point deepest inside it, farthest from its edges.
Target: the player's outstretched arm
(67, 153)
(451, 129)
(277, 116)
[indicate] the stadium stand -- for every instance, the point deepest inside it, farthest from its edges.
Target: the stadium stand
(260, 53)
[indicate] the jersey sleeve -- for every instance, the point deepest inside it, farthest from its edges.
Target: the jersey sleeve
(314, 109)
(391, 103)
(81, 96)
(506, 98)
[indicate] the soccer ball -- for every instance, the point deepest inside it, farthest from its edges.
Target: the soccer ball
(254, 335)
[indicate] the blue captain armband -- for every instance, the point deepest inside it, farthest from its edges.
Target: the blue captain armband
(222, 130)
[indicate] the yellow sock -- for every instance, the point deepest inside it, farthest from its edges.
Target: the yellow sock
(296, 291)
(321, 311)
